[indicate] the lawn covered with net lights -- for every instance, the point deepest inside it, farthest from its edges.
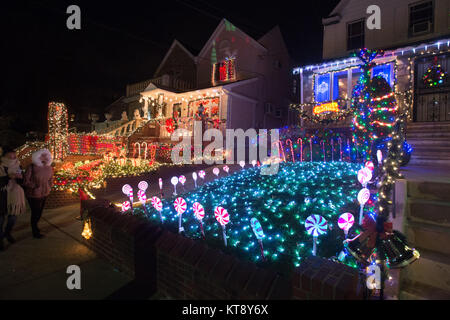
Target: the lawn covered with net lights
(280, 202)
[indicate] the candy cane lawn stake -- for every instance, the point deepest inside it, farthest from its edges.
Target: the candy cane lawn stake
(301, 148)
(126, 206)
(182, 180)
(292, 148)
(315, 226)
(340, 148)
(259, 233)
(143, 199)
(223, 218)
(194, 176)
(180, 208)
(160, 187)
(157, 204)
(174, 181)
(199, 213)
(128, 191)
(363, 197)
(310, 148)
(345, 222)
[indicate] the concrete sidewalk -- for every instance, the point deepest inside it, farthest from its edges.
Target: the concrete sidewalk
(36, 268)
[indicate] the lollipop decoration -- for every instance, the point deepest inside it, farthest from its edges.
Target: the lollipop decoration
(199, 213)
(201, 174)
(216, 171)
(369, 165)
(174, 181)
(143, 185)
(223, 218)
(315, 225)
(379, 156)
(253, 163)
(182, 180)
(194, 176)
(259, 233)
(128, 191)
(364, 176)
(242, 164)
(157, 204)
(363, 197)
(180, 207)
(126, 206)
(345, 222)
(226, 169)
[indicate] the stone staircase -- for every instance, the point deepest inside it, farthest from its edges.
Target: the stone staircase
(427, 228)
(431, 143)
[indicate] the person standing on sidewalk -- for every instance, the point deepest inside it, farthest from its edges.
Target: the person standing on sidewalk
(12, 197)
(38, 183)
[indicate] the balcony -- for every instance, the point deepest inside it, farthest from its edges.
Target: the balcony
(163, 81)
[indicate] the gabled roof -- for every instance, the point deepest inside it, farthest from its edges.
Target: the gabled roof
(174, 44)
(341, 5)
(223, 24)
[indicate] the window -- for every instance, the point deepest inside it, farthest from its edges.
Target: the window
(356, 74)
(322, 87)
(340, 85)
(355, 35)
(421, 20)
(384, 70)
(224, 70)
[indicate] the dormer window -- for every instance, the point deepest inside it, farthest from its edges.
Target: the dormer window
(224, 70)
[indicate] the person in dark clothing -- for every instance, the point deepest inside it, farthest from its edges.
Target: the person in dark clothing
(38, 181)
(12, 198)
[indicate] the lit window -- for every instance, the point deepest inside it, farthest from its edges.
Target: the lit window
(225, 70)
(322, 90)
(340, 85)
(385, 71)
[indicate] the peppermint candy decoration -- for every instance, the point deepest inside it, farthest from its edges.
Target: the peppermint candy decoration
(226, 169)
(222, 216)
(156, 203)
(364, 176)
(363, 196)
(216, 171)
(126, 206)
(369, 165)
(199, 211)
(126, 189)
(143, 185)
(201, 174)
(180, 205)
(257, 228)
(182, 179)
(316, 225)
(346, 221)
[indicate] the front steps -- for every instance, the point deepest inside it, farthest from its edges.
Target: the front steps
(430, 142)
(427, 228)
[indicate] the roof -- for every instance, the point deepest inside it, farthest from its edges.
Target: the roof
(174, 44)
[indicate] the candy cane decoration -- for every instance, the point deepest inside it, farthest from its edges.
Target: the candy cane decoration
(315, 226)
(145, 150)
(199, 213)
(340, 148)
(174, 181)
(157, 204)
(259, 233)
(345, 222)
(363, 197)
(310, 148)
(223, 218)
(280, 148)
(142, 199)
(152, 154)
(160, 187)
(348, 150)
(194, 177)
(332, 149)
(134, 149)
(180, 207)
(301, 148)
(292, 149)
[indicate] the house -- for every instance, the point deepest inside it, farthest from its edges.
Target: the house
(241, 82)
(415, 37)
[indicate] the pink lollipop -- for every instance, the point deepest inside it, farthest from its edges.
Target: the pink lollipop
(369, 165)
(126, 189)
(315, 225)
(216, 171)
(345, 222)
(199, 213)
(242, 164)
(363, 197)
(201, 174)
(223, 218)
(180, 207)
(364, 176)
(143, 185)
(157, 204)
(182, 180)
(226, 169)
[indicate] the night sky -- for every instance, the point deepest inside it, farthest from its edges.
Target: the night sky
(123, 42)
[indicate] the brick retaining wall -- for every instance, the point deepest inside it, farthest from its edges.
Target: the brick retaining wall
(182, 268)
(58, 199)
